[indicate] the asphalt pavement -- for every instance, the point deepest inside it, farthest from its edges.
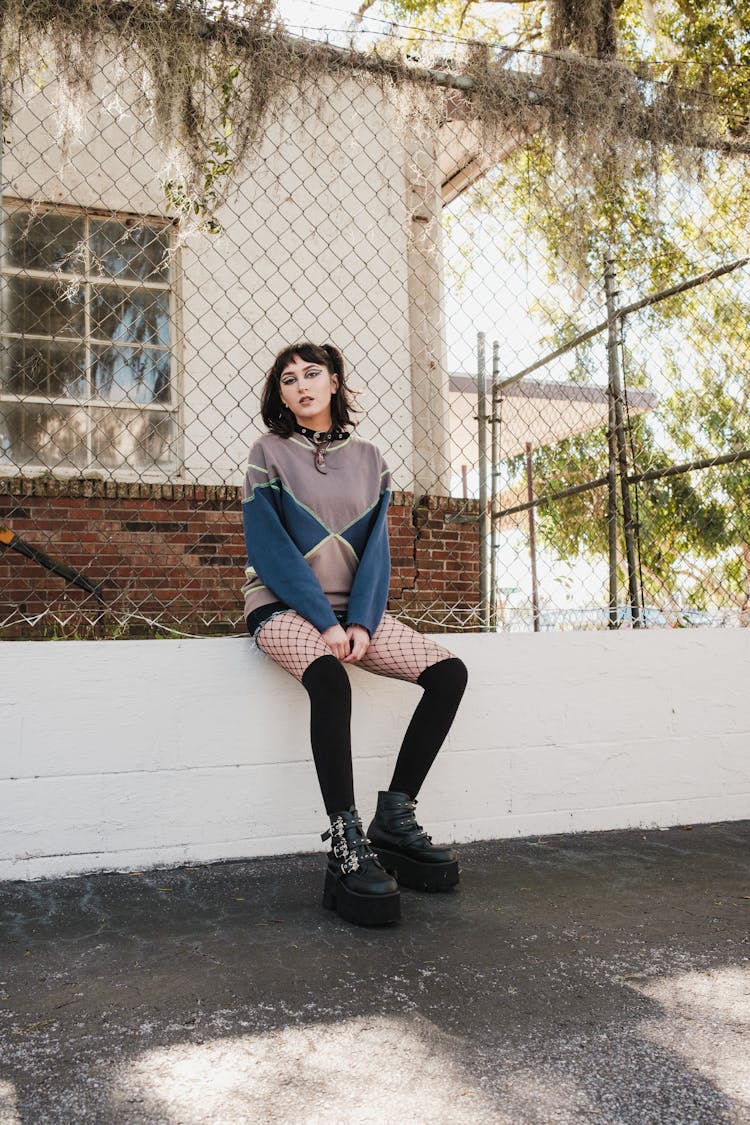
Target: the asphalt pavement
(599, 977)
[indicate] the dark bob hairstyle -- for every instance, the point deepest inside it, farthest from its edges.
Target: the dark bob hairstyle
(277, 416)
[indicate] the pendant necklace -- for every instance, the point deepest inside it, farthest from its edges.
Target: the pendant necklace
(322, 440)
(321, 448)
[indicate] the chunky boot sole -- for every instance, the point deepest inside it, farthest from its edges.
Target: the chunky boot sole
(361, 910)
(419, 876)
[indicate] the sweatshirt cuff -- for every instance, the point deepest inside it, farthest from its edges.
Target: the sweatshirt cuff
(360, 625)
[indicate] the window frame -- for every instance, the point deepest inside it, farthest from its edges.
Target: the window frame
(89, 281)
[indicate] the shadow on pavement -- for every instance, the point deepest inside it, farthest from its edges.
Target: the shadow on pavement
(598, 977)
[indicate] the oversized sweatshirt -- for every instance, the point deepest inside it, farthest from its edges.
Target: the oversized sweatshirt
(318, 542)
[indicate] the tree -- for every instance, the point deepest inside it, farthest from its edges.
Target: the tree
(705, 42)
(694, 351)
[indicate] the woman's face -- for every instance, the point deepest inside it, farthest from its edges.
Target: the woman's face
(306, 388)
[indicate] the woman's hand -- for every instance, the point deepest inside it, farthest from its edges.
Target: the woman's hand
(338, 642)
(360, 642)
(350, 645)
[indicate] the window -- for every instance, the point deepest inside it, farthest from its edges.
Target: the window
(86, 342)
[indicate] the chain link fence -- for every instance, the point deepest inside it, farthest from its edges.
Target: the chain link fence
(565, 420)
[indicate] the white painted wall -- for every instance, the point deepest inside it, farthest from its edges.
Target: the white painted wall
(128, 754)
(314, 245)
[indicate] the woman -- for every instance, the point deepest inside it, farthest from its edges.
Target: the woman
(315, 516)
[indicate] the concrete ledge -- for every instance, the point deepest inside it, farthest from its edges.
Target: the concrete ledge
(128, 754)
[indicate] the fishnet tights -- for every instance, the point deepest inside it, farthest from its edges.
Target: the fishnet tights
(395, 650)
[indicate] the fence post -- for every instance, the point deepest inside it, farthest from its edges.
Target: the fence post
(494, 480)
(484, 570)
(618, 447)
(532, 537)
(2, 185)
(612, 529)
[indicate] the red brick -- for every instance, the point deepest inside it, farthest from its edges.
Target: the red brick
(160, 570)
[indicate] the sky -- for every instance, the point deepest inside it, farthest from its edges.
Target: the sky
(320, 20)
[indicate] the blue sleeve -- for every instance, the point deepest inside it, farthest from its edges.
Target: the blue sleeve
(279, 563)
(369, 593)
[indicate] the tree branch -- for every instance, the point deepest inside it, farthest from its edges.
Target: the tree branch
(364, 8)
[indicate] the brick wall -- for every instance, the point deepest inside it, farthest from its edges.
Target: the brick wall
(172, 555)
(439, 536)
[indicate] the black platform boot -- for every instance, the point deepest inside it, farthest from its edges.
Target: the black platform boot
(406, 850)
(357, 885)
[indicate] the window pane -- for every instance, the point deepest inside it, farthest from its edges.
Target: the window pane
(39, 367)
(42, 308)
(51, 436)
(137, 317)
(130, 362)
(138, 439)
(131, 250)
(131, 374)
(43, 241)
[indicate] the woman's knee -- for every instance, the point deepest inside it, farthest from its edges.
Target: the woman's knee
(449, 676)
(327, 676)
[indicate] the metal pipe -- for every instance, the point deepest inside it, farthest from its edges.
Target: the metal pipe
(633, 478)
(484, 520)
(532, 539)
(494, 482)
(690, 466)
(616, 393)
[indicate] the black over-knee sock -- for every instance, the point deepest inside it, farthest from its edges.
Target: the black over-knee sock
(330, 693)
(444, 684)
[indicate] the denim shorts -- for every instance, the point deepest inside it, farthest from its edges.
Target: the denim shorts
(257, 619)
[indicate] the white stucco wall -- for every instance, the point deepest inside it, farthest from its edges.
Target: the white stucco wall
(313, 245)
(127, 754)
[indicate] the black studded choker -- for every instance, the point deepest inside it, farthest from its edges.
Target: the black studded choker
(319, 436)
